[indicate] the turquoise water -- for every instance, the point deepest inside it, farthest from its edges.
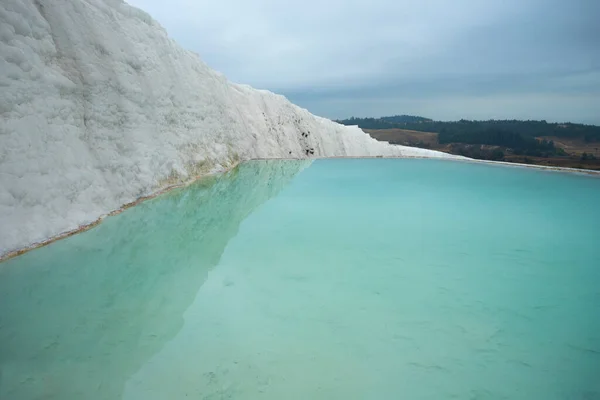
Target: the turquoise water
(340, 279)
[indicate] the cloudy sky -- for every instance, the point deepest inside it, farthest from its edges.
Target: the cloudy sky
(536, 59)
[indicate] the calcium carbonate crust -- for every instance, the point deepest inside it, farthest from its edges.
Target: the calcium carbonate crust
(99, 107)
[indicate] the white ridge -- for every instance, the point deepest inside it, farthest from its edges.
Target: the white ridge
(98, 107)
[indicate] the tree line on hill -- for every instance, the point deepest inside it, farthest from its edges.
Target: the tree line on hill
(515, 134)
(521, 145)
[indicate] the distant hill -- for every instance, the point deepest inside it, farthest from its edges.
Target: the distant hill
(537, 142)
(384, 122)
(467, 131)
(405, 119)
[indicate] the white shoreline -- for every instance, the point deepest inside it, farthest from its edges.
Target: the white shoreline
(578, 171)
(83, 228)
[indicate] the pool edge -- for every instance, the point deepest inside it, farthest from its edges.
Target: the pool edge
(15, 253)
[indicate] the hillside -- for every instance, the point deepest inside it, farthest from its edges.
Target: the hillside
(526, 129)
(572, 153)
(531, 142)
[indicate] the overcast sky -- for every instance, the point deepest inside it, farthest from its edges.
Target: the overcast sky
(536, 59)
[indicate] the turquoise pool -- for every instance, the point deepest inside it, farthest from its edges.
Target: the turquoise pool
(340, 279)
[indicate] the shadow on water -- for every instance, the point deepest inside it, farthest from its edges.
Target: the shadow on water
(80, 316)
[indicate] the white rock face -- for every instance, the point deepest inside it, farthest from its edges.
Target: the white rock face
(99, 107)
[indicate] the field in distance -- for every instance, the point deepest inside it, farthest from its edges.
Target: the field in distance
(576, 152)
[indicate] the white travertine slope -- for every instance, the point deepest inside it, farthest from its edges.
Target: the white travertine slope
(98, 107)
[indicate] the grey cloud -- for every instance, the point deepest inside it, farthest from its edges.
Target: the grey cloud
(328, 55)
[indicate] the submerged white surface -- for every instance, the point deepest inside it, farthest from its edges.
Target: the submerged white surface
(98, 107)
(338, 279)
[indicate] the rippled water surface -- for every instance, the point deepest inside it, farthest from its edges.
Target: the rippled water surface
(340, 279)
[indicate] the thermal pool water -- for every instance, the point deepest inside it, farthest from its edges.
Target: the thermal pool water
(340, 279)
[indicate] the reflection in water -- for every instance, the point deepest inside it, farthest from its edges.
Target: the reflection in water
(85, 313)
